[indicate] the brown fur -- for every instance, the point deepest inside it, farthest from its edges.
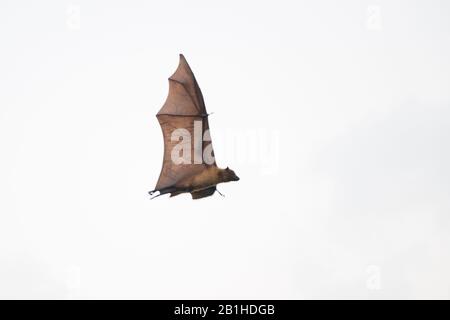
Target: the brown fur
(198, 184)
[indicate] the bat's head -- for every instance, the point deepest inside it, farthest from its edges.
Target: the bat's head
(229, 175)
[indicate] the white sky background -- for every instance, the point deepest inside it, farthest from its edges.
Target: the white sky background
(350, 99)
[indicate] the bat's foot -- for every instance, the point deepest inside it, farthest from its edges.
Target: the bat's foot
(220, 193)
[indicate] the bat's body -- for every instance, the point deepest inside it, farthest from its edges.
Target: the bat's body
(184, 116)
(206, 180)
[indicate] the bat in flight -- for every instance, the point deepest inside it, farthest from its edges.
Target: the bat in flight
(189, 164)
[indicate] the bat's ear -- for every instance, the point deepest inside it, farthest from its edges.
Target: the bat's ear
(227, 168)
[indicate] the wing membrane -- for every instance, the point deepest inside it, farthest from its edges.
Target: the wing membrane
(184, 105)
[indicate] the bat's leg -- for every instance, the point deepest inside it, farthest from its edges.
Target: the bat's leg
(220, 193)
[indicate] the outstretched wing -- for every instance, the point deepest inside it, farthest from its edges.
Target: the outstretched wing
(184, 121)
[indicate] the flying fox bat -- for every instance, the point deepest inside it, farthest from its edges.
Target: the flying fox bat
(184, 116)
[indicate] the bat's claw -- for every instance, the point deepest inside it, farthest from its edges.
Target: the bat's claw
(152, 193)
(160, 194)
